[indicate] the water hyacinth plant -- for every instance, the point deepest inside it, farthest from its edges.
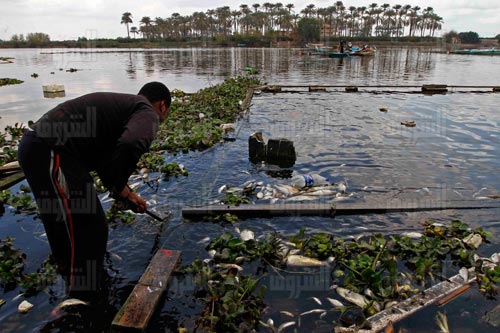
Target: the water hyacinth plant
(373, 272)
(6, 81)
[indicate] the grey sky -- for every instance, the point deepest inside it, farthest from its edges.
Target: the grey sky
(64, 19)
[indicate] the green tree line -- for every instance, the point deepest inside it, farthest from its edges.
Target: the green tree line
(35, 39)
(261, 20)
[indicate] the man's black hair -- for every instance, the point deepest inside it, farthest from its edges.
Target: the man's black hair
(156, 91)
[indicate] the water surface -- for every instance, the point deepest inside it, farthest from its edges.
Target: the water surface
(452, 154)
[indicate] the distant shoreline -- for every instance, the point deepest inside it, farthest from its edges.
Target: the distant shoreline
(125, 43)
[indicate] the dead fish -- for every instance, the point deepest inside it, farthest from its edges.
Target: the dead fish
(352, 297)
(473, 240)
(464, 273)
(286, 189)
(285, 325)
(334, 302)
(286, 313)
(24, 307)
(368, 292)
(204, 240)
(117, 257)
(227, 128)
(222, 188)
(311, 311)
(317, 300)
(390, 304)
(237, 267)
(66, 303)
(342, 187)
(302, 198)
(303, 261)
(442, 322)
(413, 235)
(234, 189)
(247, 235)
(323, 192)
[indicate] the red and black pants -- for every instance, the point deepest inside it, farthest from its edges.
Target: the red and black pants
(70, 210)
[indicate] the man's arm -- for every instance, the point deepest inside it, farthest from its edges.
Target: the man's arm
(135, 140)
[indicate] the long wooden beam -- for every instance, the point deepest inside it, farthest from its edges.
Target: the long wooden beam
(11, 180)
(135, 314)
(328, 209)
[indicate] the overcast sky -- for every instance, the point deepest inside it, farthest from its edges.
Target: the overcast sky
(64, 19)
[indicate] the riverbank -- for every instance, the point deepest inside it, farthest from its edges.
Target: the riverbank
(242, 41)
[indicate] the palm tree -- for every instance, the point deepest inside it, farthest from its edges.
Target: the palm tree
(290, 6)
(235, 14)
(127, 19)
(134, 31)
(146, 21)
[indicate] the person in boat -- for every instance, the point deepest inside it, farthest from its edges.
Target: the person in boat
(103, 132)
(349, 46)
(342, 46)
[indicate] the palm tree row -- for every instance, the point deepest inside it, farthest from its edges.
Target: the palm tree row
(336, 21)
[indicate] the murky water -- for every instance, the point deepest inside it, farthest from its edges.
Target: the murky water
(452, 154)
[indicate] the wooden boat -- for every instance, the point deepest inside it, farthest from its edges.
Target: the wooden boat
(339, 54)
(491, 51)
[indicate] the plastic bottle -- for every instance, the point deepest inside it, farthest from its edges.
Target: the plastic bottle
(301, 181)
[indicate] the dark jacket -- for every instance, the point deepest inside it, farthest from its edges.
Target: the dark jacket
(106, 132)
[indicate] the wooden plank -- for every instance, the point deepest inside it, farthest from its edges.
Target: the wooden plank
(411, 305)
(329, 209)
(134, 315)
(11, 180)
(158, 272)
(9, 167)
(137, 310)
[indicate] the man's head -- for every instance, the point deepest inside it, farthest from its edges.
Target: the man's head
(159, 96)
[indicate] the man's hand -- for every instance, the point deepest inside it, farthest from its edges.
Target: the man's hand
(136, 203)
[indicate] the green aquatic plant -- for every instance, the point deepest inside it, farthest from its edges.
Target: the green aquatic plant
(232, 302)
(232, 249)
(11, 264)
(153, 161)
(488, 279)
(235, 199)
(45, 276)
(117, 213)
(7, 81)
(318, 246)
(173, 169)
(22, 201)
(222, 218)
(194, 120)
(8, 155)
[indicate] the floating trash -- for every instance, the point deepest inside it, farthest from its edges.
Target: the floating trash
(24, 307)
(409, 123)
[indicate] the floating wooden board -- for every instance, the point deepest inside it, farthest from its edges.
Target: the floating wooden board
(329, 209)
(11, 180)
(9, 167)
(404, 309)
(135, 314)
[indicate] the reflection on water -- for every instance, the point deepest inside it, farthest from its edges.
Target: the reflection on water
(452, 153)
